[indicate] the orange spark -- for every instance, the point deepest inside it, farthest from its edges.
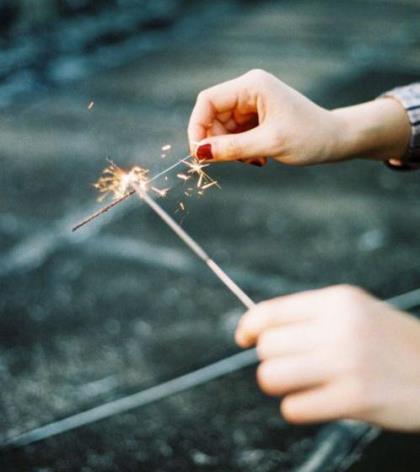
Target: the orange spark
(117, 182)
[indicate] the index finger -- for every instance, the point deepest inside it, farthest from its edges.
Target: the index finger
(276, 312)
(211, 102)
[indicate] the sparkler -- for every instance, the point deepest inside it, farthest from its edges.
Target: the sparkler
(119, 200)
(141, 190)
(117, 182)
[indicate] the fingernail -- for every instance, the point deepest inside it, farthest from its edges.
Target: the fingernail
(256, 162)
(204, 152)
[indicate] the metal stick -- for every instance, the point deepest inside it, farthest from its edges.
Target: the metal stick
(108, 207)
(193, 245)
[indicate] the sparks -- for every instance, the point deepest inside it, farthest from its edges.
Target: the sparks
(91, 105)
(161, 192)
(210, 184)
(117, 182)
(166, 147)
(183, 177)
(117, 201)
(204, 181)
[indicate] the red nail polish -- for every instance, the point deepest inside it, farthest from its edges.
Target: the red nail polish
(204, 152)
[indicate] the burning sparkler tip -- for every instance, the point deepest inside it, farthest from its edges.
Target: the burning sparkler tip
(117, 183)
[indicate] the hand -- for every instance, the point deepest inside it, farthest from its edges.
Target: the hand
(337, 353)
(256, 116)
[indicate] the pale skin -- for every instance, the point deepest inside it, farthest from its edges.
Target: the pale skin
(337, 352)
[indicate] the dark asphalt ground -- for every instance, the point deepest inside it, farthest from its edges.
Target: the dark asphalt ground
(122, 305)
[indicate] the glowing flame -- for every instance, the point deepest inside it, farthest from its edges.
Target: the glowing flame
(117, 182)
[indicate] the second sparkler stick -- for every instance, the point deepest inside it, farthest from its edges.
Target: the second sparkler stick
(193, 245)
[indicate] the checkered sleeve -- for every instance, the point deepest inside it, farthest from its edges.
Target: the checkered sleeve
(409, 97)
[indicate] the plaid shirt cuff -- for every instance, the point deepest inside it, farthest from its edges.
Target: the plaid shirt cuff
(409, 97)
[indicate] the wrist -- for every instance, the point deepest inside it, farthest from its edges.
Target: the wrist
(379, 129)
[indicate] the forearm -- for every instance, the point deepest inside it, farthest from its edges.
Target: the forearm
(379, 129)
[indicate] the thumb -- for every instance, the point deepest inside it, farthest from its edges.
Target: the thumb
(230, 147)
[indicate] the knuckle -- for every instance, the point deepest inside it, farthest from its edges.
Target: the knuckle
(246, 321)
(258, 74)
(268, 308)
(264, 378)
(349, 301)
(348, 292)
(263, 345)
(202, 96)
(288, 410)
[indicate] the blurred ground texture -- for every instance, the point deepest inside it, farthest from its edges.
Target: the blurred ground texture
(122, 305)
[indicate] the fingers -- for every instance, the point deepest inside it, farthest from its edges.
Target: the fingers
(287, 340)
(229, 147)
(232, 106)
(280, 376)
(310, 354)
(324, 403)
(218, 100)
(277, 312)
(217, 128)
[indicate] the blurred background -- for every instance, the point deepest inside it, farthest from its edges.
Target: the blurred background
(122, 305)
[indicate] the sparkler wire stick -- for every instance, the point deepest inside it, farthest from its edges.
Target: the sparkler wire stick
(193, 245)
(108, 207)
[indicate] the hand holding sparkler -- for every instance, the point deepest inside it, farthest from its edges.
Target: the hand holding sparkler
(337, 353)
(257, 116)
